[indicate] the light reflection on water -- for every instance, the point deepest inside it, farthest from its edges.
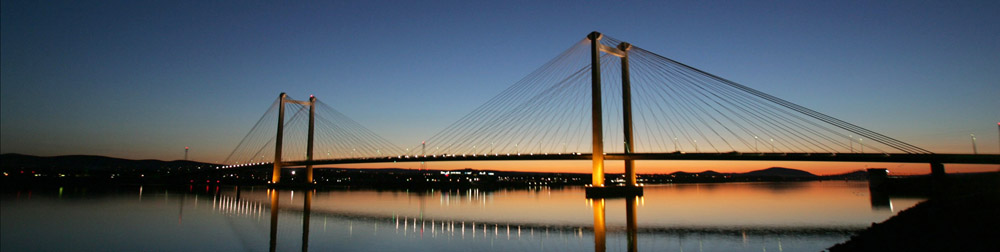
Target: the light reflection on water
(803, 216)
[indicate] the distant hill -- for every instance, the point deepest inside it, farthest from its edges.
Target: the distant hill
(780, 172)
(19, 169)
(87, 162)
(769, 174)
(710, 173)
(854, 175)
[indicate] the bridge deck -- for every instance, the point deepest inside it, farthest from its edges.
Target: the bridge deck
(734, 156)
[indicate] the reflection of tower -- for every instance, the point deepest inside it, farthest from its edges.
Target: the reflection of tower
(185, 153)
(274, 219)
(180, 216)
(600, 227)
(880, 200)
(878, 189)
(631, 224)
(423, 207)
(306, 207)
(306, 213)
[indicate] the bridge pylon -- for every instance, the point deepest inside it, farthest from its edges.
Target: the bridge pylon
(276, 173)
(627, 116)
(597, 188)
(595, 112)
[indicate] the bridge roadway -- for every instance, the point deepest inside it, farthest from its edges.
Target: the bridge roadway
(714, 156)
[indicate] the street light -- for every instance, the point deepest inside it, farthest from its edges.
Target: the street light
(974, 150)
(755, 144)
(851, 137)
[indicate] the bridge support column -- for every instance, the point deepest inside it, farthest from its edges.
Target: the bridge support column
(937, 170)
(595, 112)
(627, 116)
(309, 146)
(939, 180)
(877, 178)
(276, 173)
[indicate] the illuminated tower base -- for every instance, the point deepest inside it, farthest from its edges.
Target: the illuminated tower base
(613, 191)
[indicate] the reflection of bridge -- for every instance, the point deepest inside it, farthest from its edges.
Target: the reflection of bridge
(275, 201)
(598, 205)
(683, 113)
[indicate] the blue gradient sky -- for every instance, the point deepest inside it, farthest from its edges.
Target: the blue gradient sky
(144, 79)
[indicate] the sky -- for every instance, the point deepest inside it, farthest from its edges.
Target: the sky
(144, 79)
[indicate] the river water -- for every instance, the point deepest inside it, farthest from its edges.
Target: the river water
(787, 216)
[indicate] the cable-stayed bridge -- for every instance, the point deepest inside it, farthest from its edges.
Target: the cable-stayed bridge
(601, 99)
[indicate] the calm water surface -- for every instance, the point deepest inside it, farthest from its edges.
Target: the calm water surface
(798, 216)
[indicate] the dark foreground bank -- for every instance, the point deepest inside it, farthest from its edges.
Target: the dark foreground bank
(963, 217)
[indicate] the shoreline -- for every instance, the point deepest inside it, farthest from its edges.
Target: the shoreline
(962, 215)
